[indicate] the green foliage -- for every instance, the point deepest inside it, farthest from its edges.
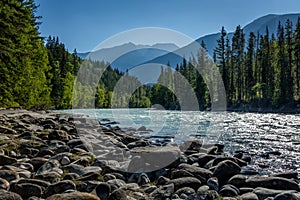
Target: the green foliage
(23, 58)
(266, 73)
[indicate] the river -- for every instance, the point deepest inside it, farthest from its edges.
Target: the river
(272, 140)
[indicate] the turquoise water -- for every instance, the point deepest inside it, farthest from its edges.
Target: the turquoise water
(182, 125)
(253, 133)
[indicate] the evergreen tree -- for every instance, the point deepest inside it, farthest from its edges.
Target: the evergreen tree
(237, 56)
(220, 59)
(282, 63)
(249, 66)
(289, 57)
(296, 52)
(23, 59)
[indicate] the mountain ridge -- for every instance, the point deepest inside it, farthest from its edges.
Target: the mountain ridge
(141, 54)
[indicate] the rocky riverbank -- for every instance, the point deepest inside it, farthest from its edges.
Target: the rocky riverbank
(58, 156)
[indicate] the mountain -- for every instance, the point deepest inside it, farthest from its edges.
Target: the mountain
(257, 26)
(143, 54)
(136, 54)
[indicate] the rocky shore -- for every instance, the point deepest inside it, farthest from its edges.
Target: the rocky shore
(52, 156)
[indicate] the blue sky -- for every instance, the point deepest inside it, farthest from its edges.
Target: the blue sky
(83, 24)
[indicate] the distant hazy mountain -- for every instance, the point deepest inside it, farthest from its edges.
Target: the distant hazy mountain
(257, 26)
(139, 54)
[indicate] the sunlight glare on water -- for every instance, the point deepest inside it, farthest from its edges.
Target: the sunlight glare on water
(253, 133)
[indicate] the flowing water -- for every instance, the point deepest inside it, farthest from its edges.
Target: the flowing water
(272, 140)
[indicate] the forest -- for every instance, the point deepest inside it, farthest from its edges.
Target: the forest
(258, 71)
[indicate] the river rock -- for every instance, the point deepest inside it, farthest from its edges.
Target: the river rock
(9, 175)
(107, 177)
(60, 187)
(205, 193)
(58, 135)
(71, 176)
(213, 183)
(264, 193)
(4, 184)
(6, 160)
(180, 173)
(162, 180)
(225, 170)
(45, 152)
(249, 196)
(65, 160)
(5, 195)
(229, 191)
(191, 182)
(272, 183)
(156, 157)
(24, 166)
(200, 173)
(186, 191)
(74, 168)
(103, 190)
(118, 194)
(89, 176)
(204, 159)
(73, 196)
(43, 184)
(238, 180)
(287, 195)
(116, 184)
(51, 177)
(49, 166)
(143, 180)
(91, 186)
(240, 162)
(26, 190)
(38, 162)
(163, 192)
(288, 175)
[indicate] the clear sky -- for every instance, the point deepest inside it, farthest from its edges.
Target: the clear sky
(83, 24)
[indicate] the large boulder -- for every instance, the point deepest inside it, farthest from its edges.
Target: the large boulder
(153, 158)
(225, 170)
(264, 193)
(200, 173)
(277, 183)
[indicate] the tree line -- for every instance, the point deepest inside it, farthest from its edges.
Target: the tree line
(258, 70)
(262, 71)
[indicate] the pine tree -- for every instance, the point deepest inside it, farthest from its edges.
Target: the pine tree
(249, 66)
(296, 50)
(220, 59)
(237, 56)
(289, 57)
(282, 97)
